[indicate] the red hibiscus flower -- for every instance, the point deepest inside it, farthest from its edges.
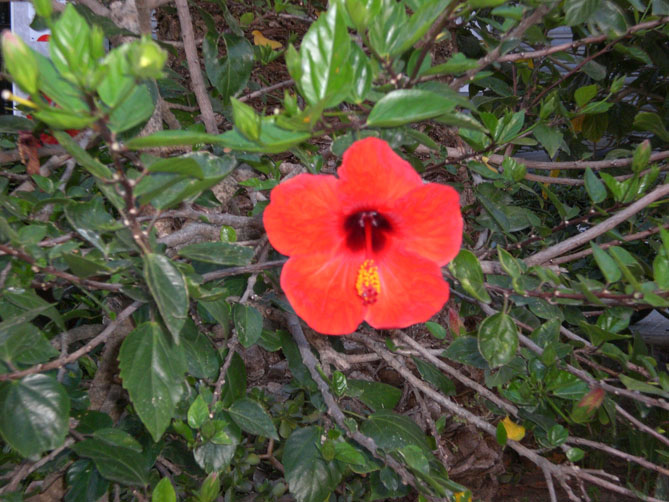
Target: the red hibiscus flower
(366, 246)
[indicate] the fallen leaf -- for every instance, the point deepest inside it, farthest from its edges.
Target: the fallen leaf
(260, 39)
(513, 430)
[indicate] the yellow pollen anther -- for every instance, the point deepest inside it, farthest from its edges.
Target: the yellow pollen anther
(368, 284)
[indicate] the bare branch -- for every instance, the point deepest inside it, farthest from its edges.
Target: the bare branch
(197, 80)
(560, 248)
(577, 164)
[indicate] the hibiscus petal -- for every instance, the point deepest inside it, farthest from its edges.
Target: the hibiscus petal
(373, 176)
(304, 215)
(412, 290)
(429, 222)
(321, 290)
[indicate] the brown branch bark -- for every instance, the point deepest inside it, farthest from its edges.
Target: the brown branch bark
(197, 80)
(577, 164)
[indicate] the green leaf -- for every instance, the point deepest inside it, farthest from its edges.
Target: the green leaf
(231, 73)
(273, 139)
(416, 459)
(606, 264)
(498, 339)
(437, 330)
(69, 45)
(510, 265)
(408, 105)
(152, 370)
(168, 289)
(172, 138)
(164, 492)
(25, 344)
(549, 137)
(433, 375)
(21, 319)
(417, 26)
(246, 119)
(185, 166)
(248, 323)
(326, 70)
(210, 488)
(648, 121)
(84, 482)
(633, 384)
(579, 11)
(500, 434)
(93, 166)
(661, 269)
(252, 418)
(583, 95)
(376, 395)
(136, 109)
(34, 414)
(220, 253)
(391, 431)
(594, 186)
(115, 463)
(310, 478)
(575, 454)
(362, 74)
(467, 269)
(15, 123)
(202, 360)
(198, 412)
(458, 63)
(513, 170)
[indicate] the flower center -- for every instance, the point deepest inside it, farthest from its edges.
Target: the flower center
(366, 230)
(367, 283)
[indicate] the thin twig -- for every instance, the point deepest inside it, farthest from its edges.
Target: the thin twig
(577, 164)
(232, 349)
(62, 361)
(244, 269)
(265, 90)
(577, 240)
(333, 408)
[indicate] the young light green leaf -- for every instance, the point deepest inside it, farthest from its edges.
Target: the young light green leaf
(467, 269)
(164, 492)
(606, 264)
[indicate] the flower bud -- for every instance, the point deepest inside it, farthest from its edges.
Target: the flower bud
(146, 59)
(20, 62)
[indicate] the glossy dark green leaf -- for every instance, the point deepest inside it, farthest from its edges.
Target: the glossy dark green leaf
(185, 166)
(34, 414)
(458, 63)
(198, 413)
(168, 289)
(433, 375)
(248, 323)
(84, 482)
(15, 123)
(376, 395)
(391, 431)
(220, 253)
(91, 219)
(25, 344)
(231, 73)
(578, 11)
(235, 381)
(408, 105)
(467, 269)
(498, 339)
(252, 418)
(326, 69)
(202, 359)
(465, 350)
(152, 370)
(20, 319)
(212, 457)
(648, 121)
(310, 478)
(115, 463)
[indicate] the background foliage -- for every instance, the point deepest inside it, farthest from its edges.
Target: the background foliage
(146, 351)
